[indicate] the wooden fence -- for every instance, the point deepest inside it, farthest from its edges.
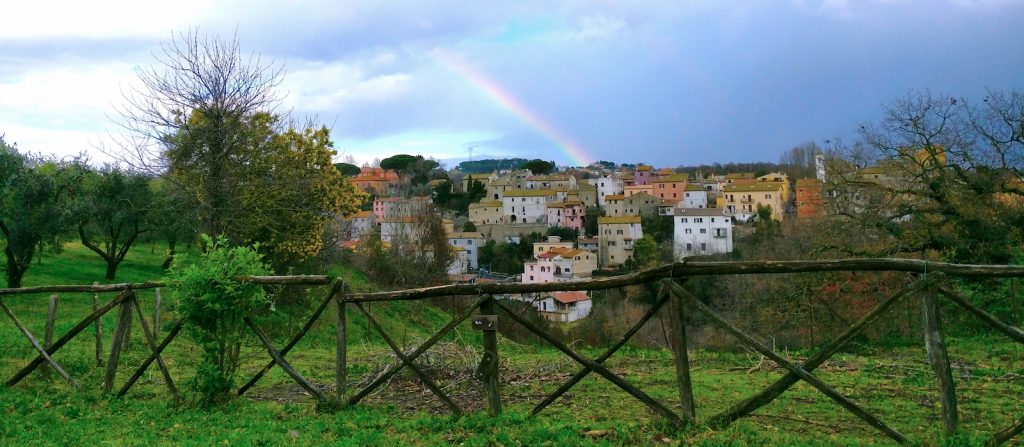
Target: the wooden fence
(930, 285)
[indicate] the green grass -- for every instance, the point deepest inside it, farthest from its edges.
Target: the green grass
(893, 382)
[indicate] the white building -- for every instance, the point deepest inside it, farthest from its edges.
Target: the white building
(607, 186)
(694, 196)
(471, 243)
(563, 307)
(460, 263)
(527, 205)
(701, 231)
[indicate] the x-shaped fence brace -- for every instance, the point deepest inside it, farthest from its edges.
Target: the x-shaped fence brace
(670, 289)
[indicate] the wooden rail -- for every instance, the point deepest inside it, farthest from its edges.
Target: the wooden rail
(930, 287)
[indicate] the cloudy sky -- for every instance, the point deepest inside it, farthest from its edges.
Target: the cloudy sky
(668, 82)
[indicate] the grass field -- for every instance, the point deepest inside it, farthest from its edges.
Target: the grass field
(893, 382)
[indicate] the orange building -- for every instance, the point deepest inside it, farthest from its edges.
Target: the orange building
(809, 198)
(375, 180)
(670, 187)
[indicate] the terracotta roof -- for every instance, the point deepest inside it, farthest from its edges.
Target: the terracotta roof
(643, 168)
(692, 187)
(805, 182)
(565, 204)
(757, 187)
(529, 193)
(672, 178)
(570, 297)
(614, 197)
(700, 212)
(618, 219)
(486, 203)
(465, 235)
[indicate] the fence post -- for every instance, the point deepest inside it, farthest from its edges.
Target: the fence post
(341, 371)
(489, 364)
(124, 318)
(99, 325)
(939, 360)
(682, 359)
(51, 315)
(156, 314)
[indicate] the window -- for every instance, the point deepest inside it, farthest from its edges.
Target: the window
(469, 242)
(698, 220)
(688, 231)
(682, 220)
(531, 277)
(703, 247)
(703, 231)
(712, 220)
(618, 231)
(767, 196)
(689, 247)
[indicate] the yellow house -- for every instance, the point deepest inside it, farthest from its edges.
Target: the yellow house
(615, 238)
(741, 201)
(553, 243)
(486, 212)
(778, 177)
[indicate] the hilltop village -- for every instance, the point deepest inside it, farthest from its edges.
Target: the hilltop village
(579, 222)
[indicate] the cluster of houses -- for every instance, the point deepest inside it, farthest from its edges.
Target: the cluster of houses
(517, 203)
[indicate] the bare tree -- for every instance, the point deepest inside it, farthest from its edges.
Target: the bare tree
(200, 91)
(940, 167)
(799, 160)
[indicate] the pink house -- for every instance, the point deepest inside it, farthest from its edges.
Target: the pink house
(539, 270)
(567, 214)
(642, 175)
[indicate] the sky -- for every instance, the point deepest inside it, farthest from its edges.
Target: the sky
(662, 82)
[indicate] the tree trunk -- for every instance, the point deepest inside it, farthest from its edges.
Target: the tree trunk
(171, 243)
(14, 274)
(111, 269)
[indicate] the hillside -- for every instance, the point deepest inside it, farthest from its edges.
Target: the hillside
(894, 382)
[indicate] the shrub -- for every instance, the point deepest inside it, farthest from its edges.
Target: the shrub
(212, 304)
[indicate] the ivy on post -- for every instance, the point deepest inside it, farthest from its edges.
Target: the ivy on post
(341, 360)
(939, 359)
(487, 321)
(682, 359)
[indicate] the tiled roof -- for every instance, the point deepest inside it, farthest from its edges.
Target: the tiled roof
(757, 187)
(618, 219)
(672, 178)
(808, 182)
(465, 235)
(570, 297)
(529, 193)
(486, 203)
(714, 212)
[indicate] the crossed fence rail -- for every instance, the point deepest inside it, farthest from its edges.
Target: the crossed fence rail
(930, 285)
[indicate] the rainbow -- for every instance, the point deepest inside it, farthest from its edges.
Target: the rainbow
(504, 98)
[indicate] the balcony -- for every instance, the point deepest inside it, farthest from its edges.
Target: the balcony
(746, 200)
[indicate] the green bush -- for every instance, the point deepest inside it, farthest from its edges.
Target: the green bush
(213, 306)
